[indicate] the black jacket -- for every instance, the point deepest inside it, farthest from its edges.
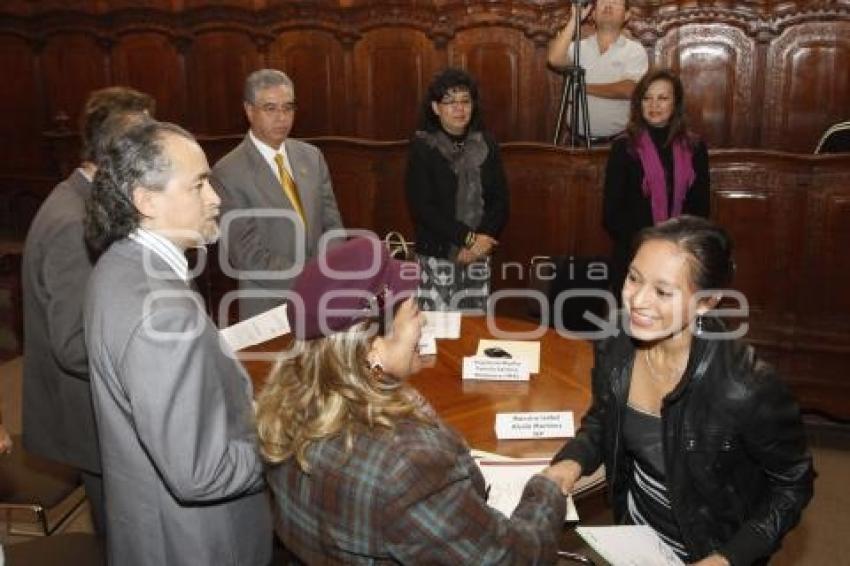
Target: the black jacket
(738, 469)
(431, 189)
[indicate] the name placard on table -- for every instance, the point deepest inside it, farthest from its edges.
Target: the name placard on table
(494, 369)
(550, 424)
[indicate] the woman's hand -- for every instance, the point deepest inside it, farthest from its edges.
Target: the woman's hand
(713, 560)
(465, 256)
(483, 245)
(564, 473)
(5, 441)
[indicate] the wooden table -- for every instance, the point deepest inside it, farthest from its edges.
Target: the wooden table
(563, 384)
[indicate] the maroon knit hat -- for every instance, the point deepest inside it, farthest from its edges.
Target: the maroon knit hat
(353, 281)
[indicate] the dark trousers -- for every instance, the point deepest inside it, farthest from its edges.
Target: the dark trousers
(94, 492)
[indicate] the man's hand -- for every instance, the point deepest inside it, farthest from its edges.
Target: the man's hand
(560, 44)
(585, 12)
(5, 441)
(564, 473)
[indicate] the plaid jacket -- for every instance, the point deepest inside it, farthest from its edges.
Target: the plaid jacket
(410, 496)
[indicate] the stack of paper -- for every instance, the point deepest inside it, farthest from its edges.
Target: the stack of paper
(506, 479)
(629, 545)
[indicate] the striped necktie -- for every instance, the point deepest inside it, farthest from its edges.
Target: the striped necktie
(290, 189)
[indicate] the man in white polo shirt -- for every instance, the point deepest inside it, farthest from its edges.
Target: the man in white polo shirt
(613, 64)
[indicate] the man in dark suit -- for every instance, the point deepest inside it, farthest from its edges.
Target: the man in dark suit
(277, 198)
(58, 422)
(182, 470)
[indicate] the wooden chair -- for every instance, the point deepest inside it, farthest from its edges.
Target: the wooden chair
(36, 495)
(79, 549)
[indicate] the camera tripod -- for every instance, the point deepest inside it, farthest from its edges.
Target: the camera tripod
(574, 93)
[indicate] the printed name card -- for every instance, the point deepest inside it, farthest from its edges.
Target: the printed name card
(427, 345)
(442, 324)
(494, 369)
(515, 426)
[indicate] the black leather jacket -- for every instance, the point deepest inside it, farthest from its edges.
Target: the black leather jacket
(738, 468)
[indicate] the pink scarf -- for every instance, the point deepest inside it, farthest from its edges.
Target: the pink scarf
(654, 179)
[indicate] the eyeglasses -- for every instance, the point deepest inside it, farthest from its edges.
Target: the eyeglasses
(462, 102)
(271, 109)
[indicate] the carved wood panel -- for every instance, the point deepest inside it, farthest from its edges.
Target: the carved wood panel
(151, 63)
(499, 59)
(315, 62)
(826, 276)
(541, 217)
(808, 85)
(217, 64)
(73, 65)
(23, 150)
(716, 63)
(393, 69)
(760, 205)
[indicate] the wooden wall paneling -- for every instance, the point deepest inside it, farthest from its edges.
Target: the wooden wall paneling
(21, 145)
(808, 84)
(825, 280)
(717, 64)
(591, 239)
(26, 7)
(354, 180)
(150, 62)
(316, 63)
(501, 61)
(216, 147)
(391, 212)
(195, 4)
(760, 202)
(391, 68)
(368, 179)
(73, 65)
(542, 214)
(217, 63)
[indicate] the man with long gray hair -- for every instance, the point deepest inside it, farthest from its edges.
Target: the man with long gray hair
(181, 466)
(276, 195)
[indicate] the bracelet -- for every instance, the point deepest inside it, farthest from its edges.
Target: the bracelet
(470, 239)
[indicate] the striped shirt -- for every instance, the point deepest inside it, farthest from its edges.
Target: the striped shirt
(647, 502)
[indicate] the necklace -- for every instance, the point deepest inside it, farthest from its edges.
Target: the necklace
(660, 378)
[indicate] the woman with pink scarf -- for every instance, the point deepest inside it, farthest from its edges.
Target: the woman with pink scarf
(657, 169)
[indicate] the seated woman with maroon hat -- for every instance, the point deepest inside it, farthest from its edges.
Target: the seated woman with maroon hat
(361, 468)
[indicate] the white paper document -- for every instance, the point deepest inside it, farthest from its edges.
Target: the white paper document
(427, 345)
(629, 545)
(257, 329)
(442, 324)
(506, 479)
(526, 351)
(540, 424)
